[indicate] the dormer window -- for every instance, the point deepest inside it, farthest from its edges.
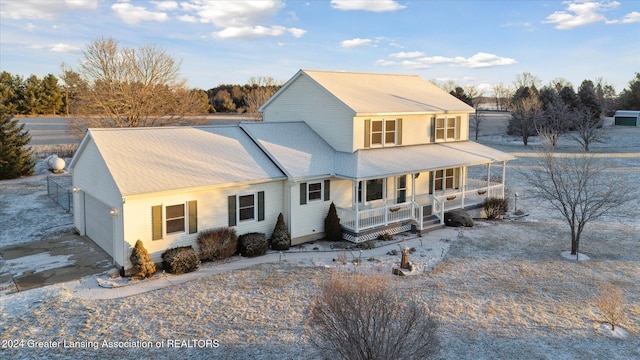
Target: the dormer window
(383, 132)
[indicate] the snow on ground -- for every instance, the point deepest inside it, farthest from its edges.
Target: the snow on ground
(503, 289)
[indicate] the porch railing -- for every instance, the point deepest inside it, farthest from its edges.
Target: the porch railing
(473, 193)
(371, 218)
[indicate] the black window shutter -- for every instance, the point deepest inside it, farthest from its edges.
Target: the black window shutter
(303, 193)
(433, 129)
(327, 190)
(232, 210)
(260, 205)
(156, 220)
(193, 217)
(399, 132)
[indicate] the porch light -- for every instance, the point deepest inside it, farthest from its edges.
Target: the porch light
(76, 189)
(114, 212)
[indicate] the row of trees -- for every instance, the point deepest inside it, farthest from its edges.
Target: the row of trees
(502, 95)
(555, 110)
(132, 87)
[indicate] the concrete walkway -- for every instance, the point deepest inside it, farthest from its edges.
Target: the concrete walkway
(89, 288)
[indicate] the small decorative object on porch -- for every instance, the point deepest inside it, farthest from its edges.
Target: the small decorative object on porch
(394, 209)
(449, 198)
(482, 192)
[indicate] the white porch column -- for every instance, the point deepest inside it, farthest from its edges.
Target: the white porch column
(413, 187)
(504, 176)
(464, 185)
(488, 178)
(355, 199)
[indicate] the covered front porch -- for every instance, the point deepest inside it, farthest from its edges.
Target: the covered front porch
(416, 200)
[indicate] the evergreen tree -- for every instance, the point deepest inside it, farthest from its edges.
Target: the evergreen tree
(332, 228)
(630, 98)
(16, 157)
(50, 96)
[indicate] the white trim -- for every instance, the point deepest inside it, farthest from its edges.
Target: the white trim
(321, 198)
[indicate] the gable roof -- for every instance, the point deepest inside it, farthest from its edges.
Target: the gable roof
(368, 94)
(148, 160)
(302, 153)
(298, 150)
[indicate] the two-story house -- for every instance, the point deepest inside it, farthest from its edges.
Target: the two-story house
(390, 151)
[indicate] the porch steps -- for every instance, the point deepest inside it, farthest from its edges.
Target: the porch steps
(430, 223)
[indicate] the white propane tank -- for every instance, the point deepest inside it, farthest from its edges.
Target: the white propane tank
(55, 163)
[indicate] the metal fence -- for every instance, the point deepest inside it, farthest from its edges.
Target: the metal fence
(59, 188)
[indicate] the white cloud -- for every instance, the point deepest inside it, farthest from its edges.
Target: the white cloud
(632, 17)
(355, 43)
(65, 48)
(166, 5)
(417, 60)
(367, 5)
(187, 18)
(383, 62)
(483, 60)
(525, 25)
(407, 55)
(132, 15)
(239, 19)
(43, 10)
(580, 13)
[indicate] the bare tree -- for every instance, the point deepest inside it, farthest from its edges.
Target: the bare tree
(524, 116)
(581, 188)
(612, 305)
(555, 120)
(359, 316)
(134, 87)
(527, 79)
(502, 95)
(587, 127)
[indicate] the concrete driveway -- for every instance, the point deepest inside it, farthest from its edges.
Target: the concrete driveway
(51, 261)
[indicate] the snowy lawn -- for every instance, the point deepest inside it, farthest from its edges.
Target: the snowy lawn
(503, 290)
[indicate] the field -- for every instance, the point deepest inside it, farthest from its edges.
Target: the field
(502, 291)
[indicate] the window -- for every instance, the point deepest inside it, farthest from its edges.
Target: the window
(315, 191)
(175, 218)
(401, 189)
(374, 190)
(383, 132)
(446, 128)
(446, 179)
(246, 207)
(178, 218)
(376, 132)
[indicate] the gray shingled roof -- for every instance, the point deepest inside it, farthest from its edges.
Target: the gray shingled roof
(147, 160)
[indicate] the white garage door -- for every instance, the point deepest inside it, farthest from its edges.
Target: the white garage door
(98, 223)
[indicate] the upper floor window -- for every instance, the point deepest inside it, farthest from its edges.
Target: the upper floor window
(385, 132)
(447, 128)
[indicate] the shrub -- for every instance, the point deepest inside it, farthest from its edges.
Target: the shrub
(494, 207)
(360, 316)
(386, 237)
(217, 244)
(332, 229)
(611, 304)
(280, 238)
(253, 244)
(180, 260)
(142, 264)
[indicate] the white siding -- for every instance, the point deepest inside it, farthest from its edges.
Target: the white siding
(326, 115)
(212, 213)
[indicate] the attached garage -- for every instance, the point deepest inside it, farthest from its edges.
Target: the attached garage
(627, 118)
(98, 223)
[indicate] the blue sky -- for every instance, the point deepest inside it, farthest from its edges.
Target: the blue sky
(479, 43)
